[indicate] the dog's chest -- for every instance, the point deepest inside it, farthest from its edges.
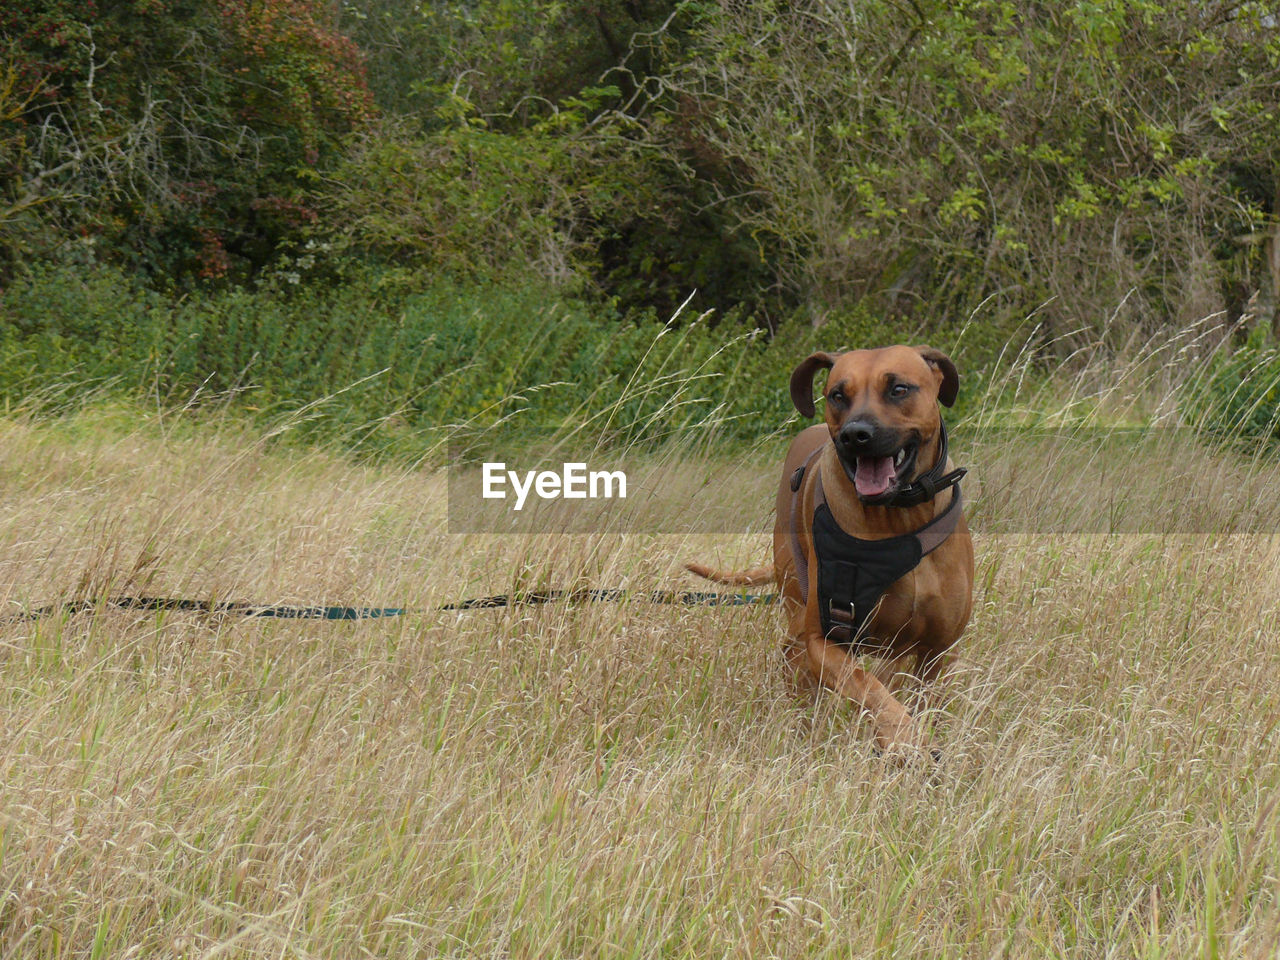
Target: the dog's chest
(865, 587)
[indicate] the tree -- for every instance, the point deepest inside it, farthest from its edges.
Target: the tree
(179, 133)
(924, 157)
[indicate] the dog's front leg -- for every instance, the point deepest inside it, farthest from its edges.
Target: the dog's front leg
(895, 730)
(894, 671)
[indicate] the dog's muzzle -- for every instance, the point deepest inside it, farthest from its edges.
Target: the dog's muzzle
(875, 460)
(877, 463)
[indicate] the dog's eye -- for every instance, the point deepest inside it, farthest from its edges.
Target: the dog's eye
(899, 390)
(837, 397)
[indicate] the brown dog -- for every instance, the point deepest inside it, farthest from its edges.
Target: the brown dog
(878, 449)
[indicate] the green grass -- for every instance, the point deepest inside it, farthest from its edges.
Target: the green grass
(394, 367)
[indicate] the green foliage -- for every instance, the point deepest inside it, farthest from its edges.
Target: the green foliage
(575, 204)
(178, 134)
(526, 137)
(931, 156)
(466, 199)
(87, 325)
(17, 205)
(511, 60)
(909, 160)
(1237, 397)
(874, 167)
(384, 366)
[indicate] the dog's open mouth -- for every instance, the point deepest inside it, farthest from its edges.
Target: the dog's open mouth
(875, 477)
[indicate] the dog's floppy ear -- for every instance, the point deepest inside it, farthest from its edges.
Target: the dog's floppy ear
(802, 380)
(950, 377)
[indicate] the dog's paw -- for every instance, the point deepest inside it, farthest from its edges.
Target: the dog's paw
(904, 744)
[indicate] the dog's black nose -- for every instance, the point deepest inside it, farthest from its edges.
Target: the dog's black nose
(857, 433)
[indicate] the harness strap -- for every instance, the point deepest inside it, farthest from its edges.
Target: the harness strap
(931, 536)
(930, 484)
(797, 552)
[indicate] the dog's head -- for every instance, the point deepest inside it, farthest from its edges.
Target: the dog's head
(882, 411)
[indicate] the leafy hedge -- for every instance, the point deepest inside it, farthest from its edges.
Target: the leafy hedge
(388, 367)
(390, 364)
(1237, 398)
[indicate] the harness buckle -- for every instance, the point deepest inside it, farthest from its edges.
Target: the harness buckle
(842, 613)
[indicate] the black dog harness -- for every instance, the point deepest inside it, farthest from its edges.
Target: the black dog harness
(853, 574)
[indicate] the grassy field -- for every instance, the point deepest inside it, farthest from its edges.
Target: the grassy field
(596, 781)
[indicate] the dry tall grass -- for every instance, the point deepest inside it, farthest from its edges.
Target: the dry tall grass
(594, 781)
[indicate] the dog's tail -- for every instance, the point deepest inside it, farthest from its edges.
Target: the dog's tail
(737, 578)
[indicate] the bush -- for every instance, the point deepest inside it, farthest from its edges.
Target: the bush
(89, 326)
(930, 156)
(390, 363)
(384, 365)
(1237, 398)
(183, 136)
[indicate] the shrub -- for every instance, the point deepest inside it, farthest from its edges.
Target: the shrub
(184, 136)
(1237, 397)
(381, 365)
(929, 156)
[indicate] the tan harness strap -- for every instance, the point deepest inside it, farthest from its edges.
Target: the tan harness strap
(797, 552)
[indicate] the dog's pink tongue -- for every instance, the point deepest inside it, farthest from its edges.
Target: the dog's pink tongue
(874, 475)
